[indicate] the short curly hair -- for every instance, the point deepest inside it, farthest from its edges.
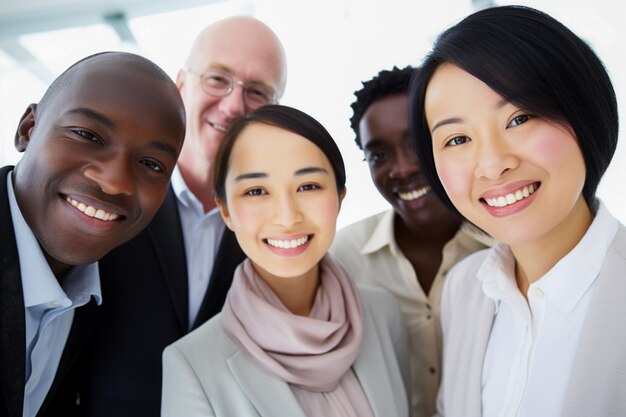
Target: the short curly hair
(385, 83)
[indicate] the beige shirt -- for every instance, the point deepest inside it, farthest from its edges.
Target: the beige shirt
(368, 250)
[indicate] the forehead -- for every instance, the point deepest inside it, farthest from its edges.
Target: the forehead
(385, 116)
(127, 94)
(449, 83)
(269, 149)
(248, 53)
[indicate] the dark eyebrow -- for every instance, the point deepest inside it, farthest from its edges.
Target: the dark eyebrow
(446, 122)
(93, 115)
(156, 144)
(164, 147)
(251, 175)
(303, 171)
(374, 143)
(501, 103)
(227, 69)
(310, 170)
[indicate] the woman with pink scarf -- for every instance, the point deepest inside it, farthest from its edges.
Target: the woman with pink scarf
(296, 336)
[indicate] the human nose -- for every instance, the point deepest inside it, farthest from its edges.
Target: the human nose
(113, 175)
(287, 211)
(233, 104)
(405, 164)
(495, 158)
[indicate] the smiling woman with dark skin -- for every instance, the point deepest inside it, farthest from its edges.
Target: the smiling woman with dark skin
(99, 149)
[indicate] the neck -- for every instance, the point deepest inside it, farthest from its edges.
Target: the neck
(534, 259)
(200, 184)
(432, 234)
(296, 293)
(59, 269)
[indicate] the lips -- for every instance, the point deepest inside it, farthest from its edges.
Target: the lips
(511, 197)
(92, 211)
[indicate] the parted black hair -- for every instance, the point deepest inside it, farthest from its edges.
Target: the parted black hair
(283, 117)
(536, 63)
(385, 83)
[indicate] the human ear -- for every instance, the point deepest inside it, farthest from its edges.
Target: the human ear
(25, 128)
(180, 79)
(221, 205)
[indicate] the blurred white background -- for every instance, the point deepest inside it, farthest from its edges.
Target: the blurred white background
(331, 47)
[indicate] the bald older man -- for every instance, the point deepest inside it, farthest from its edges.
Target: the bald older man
(175, 275)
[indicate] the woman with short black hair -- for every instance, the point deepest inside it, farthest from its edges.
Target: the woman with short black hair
(515, 121)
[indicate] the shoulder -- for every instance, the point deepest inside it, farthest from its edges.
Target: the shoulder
(372, 297)
(463, 276)
(207, 346)
(380, 305)
(619, 242)
(356, 234)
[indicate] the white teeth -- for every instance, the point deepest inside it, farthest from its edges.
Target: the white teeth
(415, 194)
(92, 211)
(219, 127)
(288, 244)
(511, 198)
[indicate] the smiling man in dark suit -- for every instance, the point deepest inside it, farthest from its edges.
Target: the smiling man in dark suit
(175, 275)
(96, 167)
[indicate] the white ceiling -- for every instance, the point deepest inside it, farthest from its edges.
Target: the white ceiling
(331, 46)
(21, 18)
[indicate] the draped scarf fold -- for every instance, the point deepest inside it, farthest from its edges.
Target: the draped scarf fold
(313, 354)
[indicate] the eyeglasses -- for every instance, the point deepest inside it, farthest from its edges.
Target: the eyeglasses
(220, 83)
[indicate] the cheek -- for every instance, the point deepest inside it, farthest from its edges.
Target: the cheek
(553, 146)
(377, 173)
(323, 211)
(245, 217)
(151, 198)
(454, 176)
(558, 151)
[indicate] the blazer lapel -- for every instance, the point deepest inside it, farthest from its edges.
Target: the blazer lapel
(81, 331)
(12, 321)
(229, 256)
(371, 370)
(269, 396)
(167, 237)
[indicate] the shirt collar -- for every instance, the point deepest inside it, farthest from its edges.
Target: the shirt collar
(39, 284)
(568, 280)
(497, 274)
(382, 236)
(188, 199)
(583, 262)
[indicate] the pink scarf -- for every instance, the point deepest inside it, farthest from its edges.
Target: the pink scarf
(314, 354)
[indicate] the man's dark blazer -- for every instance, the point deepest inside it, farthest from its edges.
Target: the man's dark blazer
(144, 309)
(61, 398)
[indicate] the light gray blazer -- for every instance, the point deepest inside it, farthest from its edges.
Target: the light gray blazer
(598, 381)
(205, 373)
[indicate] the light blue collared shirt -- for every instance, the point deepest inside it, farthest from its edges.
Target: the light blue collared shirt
(49, 307)
(202, 234)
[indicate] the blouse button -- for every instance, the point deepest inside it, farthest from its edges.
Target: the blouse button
(536, 293)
